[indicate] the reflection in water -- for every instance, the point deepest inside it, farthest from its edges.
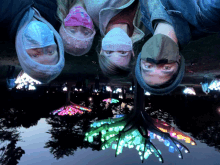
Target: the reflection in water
(71, 109)
(200, 123)
(9, 153)
(67, 135)
(124, 132)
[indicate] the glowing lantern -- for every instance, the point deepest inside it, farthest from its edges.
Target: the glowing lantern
(187, 140)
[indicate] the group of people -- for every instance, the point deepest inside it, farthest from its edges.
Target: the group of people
(43, 30)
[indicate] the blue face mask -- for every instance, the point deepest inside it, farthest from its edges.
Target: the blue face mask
(37, 35)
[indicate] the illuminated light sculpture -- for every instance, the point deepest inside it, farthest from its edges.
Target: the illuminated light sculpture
(108, 88)
(24, 79)
(189, 91)
(165, 127)
(123, 132)
(111, 100)
(147, 93)
(214, 85)
(70, 110)
(64, 88)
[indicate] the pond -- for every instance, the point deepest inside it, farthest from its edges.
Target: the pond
(38, 137)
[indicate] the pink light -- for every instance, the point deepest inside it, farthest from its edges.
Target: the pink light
(70, 111)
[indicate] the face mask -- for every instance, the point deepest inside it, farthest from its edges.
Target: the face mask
(37, 35)
(78, 17)
(75, 46)
(160, 49)
(117, 40)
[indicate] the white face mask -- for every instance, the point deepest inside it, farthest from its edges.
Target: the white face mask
(117, 40)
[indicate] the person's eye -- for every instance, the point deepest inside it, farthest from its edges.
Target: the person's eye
(51, 51)
(166, 67)
(86, 32)
(148, 66)
(73, 31)
(34, 55)
(108, 52)
(123, 52)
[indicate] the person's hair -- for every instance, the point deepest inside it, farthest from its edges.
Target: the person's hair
(63, 8)
(112, 71)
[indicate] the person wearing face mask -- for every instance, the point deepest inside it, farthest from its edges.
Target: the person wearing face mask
(77, 29)
(31, 25)
(160, 66)
(120, 28)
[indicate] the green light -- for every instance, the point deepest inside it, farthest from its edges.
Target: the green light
(110, 129)
(86, 134)
(90, 139)
(146, 155)
(103, 132)
(122, 142)
(114, 146)
(138, 147)
(160, 159)
(141, 157)
(116, 129)
(103, 140)
(159, 151)
(107, 137)
(103, 148)
(140, 153)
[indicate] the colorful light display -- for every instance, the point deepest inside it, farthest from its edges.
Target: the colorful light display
(112, 133)
(214, 85)
(189, 91)
(111, 100)
(165, 127)
(24, 79)
(71, 109)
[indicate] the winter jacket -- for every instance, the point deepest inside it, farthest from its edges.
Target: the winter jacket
(12, 11)
(102, 11)
(191, 19)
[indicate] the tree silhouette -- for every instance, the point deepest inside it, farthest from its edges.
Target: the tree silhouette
(67, 135)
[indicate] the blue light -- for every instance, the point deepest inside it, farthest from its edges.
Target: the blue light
(167, 143)
(171, 149)
(152, 136)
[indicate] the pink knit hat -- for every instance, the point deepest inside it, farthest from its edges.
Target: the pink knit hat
(73, 45)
